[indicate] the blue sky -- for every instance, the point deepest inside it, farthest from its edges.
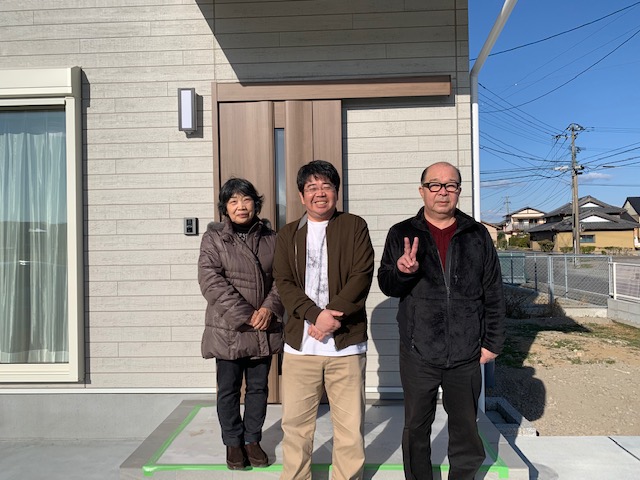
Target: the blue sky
(523, 138)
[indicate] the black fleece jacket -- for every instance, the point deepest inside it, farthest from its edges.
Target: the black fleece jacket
(446, 313)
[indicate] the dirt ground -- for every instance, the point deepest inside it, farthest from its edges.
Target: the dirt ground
(572, 376)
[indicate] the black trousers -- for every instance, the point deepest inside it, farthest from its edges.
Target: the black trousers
(460, 392)
(236, 429)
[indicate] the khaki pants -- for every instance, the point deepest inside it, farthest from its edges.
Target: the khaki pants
(303, 378)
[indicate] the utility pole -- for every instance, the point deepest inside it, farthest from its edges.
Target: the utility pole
(575, 171)
(508, 224)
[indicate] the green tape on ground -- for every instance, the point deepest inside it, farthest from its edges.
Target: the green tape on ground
(152, 466)
(499, 466)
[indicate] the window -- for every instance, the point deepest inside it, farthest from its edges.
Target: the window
(41, 313)
(281, 178)
(587, 239)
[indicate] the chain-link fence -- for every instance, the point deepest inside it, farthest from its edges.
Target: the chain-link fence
(625, 281)
(584, 278)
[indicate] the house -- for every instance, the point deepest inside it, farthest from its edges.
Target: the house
(522, 220)
(493, 231)
(632, 206)
(602, 226)
(100, 262)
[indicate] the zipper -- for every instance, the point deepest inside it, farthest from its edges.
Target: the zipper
(446, 272)
(260, 293)
(447, 284)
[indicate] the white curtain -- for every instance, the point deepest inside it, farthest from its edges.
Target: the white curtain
(33, 237)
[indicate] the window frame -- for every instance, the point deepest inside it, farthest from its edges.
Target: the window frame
(57, 87)
(589, 238)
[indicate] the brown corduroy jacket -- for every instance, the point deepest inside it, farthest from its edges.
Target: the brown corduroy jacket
(350, 264)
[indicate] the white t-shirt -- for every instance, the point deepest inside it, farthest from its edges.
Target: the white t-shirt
(317, 289)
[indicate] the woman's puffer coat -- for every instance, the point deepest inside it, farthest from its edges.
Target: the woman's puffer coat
(236, 280)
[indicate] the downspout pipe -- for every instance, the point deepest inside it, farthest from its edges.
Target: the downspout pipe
(475, 125)
(499, 24)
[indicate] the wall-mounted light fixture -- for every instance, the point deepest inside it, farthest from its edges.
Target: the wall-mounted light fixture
(187, 110)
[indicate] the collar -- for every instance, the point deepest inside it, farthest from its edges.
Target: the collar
(305, 218)
(463, 221)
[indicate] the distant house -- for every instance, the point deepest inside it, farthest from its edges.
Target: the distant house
(493, 231)
(522, 220)
(632, 206)
(601, 226)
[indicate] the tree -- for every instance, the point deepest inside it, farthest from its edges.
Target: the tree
(546, 245)
(520, 241)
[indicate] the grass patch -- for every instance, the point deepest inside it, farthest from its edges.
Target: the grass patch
(619, 333)
(567, 344)
(522, 334)
(512, 355)
(531, 330)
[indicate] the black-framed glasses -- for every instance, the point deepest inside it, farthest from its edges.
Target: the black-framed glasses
(435, 187)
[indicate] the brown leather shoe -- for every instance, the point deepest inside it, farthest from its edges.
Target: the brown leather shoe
(237, 458)
(257, 456)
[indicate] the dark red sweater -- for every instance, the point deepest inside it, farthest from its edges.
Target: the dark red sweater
(442, 238)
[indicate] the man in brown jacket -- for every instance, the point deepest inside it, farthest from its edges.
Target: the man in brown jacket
(323, 268)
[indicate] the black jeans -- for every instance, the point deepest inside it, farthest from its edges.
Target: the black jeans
(460, 392)
(237, 429)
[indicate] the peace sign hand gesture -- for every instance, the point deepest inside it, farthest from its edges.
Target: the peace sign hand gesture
(407, 263)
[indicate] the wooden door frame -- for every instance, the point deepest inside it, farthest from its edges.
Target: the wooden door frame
(426, 86)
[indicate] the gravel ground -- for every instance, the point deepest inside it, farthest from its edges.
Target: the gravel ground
(572, 376)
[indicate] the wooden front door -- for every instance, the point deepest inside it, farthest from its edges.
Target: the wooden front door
(266, 142)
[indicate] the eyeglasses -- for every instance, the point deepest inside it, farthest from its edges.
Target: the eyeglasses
(435, 187)
(313, 189)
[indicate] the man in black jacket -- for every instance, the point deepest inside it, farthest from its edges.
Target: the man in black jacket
(444, 268)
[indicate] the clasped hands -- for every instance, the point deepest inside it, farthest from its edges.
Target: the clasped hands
(326, 323)
(261, 318)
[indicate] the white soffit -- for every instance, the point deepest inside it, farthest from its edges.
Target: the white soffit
(594, 219)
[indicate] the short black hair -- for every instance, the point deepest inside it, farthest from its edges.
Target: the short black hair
(424, 172)
(318, 169)
(241, 186)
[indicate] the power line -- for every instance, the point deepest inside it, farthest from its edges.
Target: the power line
(615, 130)
(516, 177)
(609, 164)
(570, 80)
(613, 184)
(514, 130)
(537, 159)
(496, 141)
(565, 64)
(561, 33)
(602, 156)
(543, 126)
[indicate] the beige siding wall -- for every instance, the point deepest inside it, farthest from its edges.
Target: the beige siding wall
(142, 176)
(564, 239)
(144, 308)
(604, 238)
(607, 238)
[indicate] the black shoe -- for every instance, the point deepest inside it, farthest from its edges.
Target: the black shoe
(257, 456)
(236, 458)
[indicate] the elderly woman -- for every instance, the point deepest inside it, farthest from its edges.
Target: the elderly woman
(243, 317)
